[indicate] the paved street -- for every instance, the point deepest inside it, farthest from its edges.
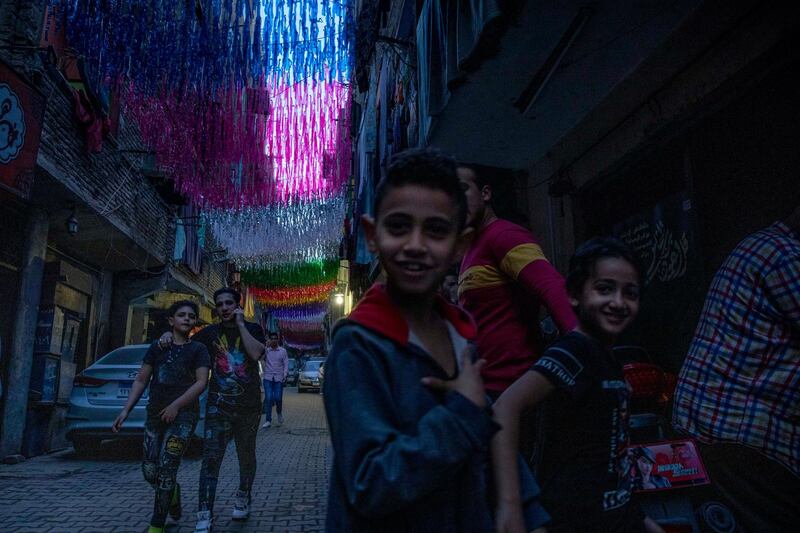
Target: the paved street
(63, 493)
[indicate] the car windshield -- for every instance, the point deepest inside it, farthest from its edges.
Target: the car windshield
(126, 355)
(311, 366)
(292, 364)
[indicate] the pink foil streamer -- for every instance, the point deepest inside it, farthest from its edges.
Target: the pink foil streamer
(242, 148)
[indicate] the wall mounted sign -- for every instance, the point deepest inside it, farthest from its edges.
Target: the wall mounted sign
(21, 115)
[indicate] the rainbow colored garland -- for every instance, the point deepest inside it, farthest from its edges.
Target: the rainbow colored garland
(291, 297)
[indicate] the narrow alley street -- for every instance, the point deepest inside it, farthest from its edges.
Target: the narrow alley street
(586, 211)
(61, 492)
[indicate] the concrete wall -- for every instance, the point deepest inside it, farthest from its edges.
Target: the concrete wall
(21, 353)
(696, 69)
(481, 122)
(124, 225)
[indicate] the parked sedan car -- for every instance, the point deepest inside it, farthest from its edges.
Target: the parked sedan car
(309, 375)
(293, 374)
(100, 392)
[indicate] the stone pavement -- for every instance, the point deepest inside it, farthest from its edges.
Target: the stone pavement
(63, 493)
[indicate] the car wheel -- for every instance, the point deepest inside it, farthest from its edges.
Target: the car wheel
(86, 446)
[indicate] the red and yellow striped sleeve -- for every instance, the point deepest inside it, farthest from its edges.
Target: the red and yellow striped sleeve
(523, 260)
(520, 256)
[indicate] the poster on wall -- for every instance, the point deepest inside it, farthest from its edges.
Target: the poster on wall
(663, 466)
(49, 330)
(21, 116)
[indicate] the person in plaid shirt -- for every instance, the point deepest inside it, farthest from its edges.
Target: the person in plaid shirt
(739, 389)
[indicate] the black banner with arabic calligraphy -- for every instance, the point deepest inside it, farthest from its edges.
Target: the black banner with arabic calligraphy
(21, 115)
(665, 239)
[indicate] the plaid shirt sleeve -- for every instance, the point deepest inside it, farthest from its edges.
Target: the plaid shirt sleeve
(783, 286)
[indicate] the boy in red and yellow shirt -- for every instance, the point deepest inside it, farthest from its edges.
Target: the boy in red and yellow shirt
(504, 280)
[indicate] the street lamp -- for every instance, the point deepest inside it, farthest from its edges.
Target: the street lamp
(72, 223)
(338, 299)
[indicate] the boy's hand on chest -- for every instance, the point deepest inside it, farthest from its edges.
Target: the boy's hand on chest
(468, 382)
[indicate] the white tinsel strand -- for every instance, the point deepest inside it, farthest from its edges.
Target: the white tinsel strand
(302, 231)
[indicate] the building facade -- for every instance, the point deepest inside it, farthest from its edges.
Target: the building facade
(669, 125)
(95, 243)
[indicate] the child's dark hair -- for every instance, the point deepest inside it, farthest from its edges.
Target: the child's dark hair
(429, 168)
(228, 290)
(182, 303)
(583, 262)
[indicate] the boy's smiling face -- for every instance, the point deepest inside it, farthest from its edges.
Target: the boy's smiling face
(609, 299)
(416, 237)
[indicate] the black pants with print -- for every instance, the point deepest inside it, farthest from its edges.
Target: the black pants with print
(220, 429)
(164, 445)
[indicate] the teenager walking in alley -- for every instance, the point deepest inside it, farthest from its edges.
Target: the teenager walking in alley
(176, 375)
(276, 368)
(233, 409)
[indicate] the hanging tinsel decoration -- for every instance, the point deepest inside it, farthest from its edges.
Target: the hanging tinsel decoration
(301, 326)
(245, 105)
(209, 69)
(302, 331)
(207, 44)
(308, 139)
(238, 147)
(302, 347)
(211, 145)
(305, 339)
(311, 311)
(287, 297)
(259, 237)
(292, 275)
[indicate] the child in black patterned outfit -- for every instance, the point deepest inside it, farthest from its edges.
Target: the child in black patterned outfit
(580, 390)
(177, 375)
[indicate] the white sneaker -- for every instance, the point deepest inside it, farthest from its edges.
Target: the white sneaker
(280, 419)
(266, 424)
(203, 522)
(241, 506)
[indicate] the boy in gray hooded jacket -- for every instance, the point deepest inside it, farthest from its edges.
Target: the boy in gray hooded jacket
(408, 416)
